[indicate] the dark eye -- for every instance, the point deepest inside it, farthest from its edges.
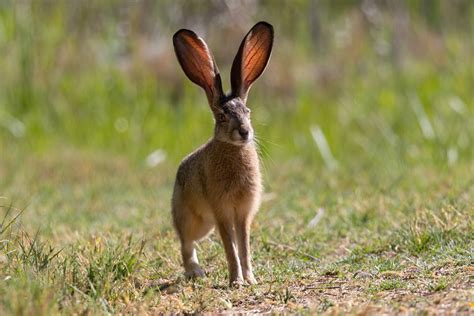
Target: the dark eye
(222, 117)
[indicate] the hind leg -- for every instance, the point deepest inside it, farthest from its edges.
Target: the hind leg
(190, 229)
(190, 261)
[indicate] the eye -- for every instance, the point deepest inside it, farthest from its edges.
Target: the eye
(222, 117)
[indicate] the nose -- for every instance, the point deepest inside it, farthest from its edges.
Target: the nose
(243, 133)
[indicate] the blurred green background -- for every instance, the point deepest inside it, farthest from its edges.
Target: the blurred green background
(365, 124)
(381, 83)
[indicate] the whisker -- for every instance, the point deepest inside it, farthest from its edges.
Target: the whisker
(263, 150)
(271, 143)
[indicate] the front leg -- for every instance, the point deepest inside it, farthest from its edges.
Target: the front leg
(243, 222)
(227, 232)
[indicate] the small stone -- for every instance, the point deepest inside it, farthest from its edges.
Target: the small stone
(362, 275)
(171, 289)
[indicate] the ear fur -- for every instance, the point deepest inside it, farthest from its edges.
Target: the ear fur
(198, 63)
(251, 59)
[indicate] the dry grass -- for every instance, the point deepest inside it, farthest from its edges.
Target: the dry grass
(105, 244)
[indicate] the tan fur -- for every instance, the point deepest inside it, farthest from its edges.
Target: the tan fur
(219, 184)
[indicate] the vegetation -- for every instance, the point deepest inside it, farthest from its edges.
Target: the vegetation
(365, 123)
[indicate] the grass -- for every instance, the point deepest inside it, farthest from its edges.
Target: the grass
(378, 160)
(104, 243)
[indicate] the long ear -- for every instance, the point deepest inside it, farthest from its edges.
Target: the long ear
(198, 63)
(251, 59)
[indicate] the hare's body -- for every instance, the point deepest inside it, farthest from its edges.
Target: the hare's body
(219, 184)
(218, 173)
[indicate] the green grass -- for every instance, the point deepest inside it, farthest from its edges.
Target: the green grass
(98, 238)
(85, 221)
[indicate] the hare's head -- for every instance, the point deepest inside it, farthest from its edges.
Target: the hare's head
(230, 111)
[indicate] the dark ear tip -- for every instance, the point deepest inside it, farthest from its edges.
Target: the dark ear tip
(182, 32)
(264, 24)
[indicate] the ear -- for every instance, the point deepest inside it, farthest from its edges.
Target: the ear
(198, 63)
(251, 59)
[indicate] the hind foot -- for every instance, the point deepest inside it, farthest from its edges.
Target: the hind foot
(194, 271)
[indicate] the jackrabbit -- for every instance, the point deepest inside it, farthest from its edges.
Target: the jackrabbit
(219, 184)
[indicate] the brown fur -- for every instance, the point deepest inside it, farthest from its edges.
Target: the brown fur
(219, 184)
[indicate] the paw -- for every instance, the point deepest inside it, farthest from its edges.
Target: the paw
(194, 272)
(237, 283)
(250, 279)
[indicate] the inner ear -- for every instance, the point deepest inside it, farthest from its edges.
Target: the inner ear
(251, 59)
(198, 63)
